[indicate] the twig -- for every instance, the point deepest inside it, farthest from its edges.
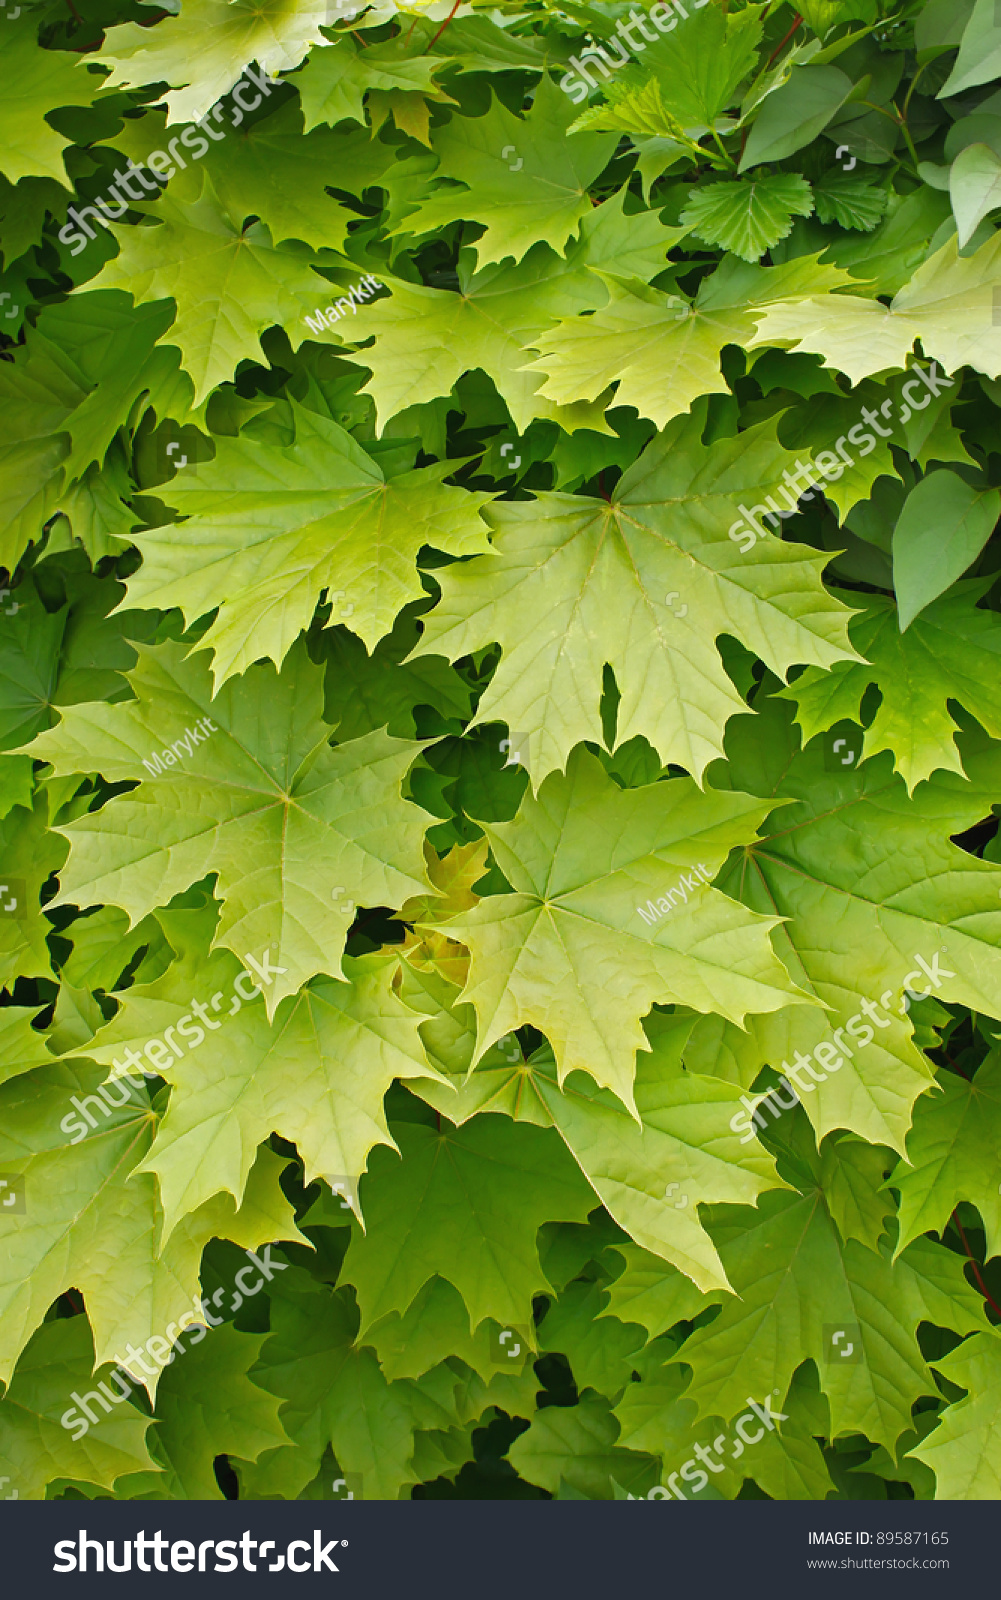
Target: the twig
(781, 45)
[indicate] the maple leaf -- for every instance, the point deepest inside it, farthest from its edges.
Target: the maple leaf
(206, 1405)
(334, 80)
(662, 351)
(35, 1448)
(288, 824)
(346, 1042)
(275, 525)
(948, 304)
(795, 1280)
(523, 181)
(572, 925)
(949, 652)
(229, 282)
(498, 316)
(465, 1203)
(93, 1223)
(952, 1156)
(573, 583)
(963, 1451)
(856, 866)
(37, 81)
(203, 54)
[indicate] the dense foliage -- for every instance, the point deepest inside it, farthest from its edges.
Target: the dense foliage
(499, 674)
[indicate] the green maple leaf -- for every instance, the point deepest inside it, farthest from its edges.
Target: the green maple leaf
(345, 1042)
(499, 314)
(203, 53)
(38, 81)
(207, 1406)
(52, 658)
(568, 950)
(288, 824)
(916, 893)
(332, 1392)
(964, 1451)
(271, 171)
(952, 1156)
(93, 1223)
(335, 78)
(658, 1416)
(466, 1204)
(599, 1349)
(573, 583)
(575, 1445)
(750, 215)
(272, 526)
(35, 1448)
(229, 282)
(524, 180)
(949, 652)
(795, 1280)
(662, 351)
(651, 1292)
(80, 373)
(948, 304)
(30, 852)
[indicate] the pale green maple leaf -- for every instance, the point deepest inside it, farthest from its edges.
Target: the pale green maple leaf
(498, 316)
(92, 1223)
(795, 1281)
(207, 1406)
(37, 81)
(203, 51)
(663, 352)
(643, 582)
(466, 1204)
(343, 1043)
(289, 825)
(523, 179)
(272, 526)
(867, 881)
(951, 651)
(229, 283)
(748, 215)
(22, 1047)
(568, 950)
(964, 1451)
(952, 1155)
(948, 304)
(35, 1449)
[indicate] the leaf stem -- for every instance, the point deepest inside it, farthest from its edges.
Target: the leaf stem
(441, 30)
(976, 1266)
(782, 43)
